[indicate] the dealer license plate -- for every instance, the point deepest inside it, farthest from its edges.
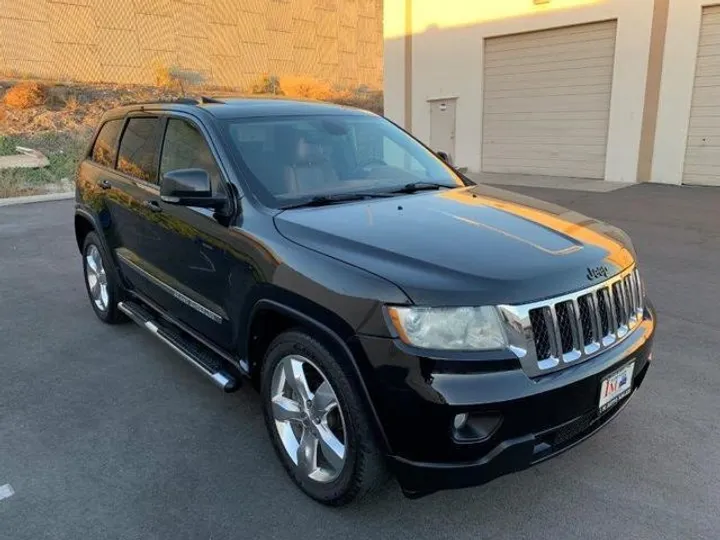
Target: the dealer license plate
(616, 386)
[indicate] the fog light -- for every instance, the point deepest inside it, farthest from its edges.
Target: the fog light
(460, 421)
(470, 428)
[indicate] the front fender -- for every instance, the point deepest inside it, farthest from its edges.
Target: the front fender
(355, 358)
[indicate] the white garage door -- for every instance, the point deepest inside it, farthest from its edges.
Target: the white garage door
(547, 101)
(702, 157)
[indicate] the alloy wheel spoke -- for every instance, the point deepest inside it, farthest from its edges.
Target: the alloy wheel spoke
(331, 447)
(104, 297)
(323, 401)
(286, 409)
(307, 453)
(98, 260)
(295, 377)
(91, 262)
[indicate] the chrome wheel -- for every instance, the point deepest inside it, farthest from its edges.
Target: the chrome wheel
(308, 419)
(96, 278)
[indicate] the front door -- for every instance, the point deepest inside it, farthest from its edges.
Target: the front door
(192, 260)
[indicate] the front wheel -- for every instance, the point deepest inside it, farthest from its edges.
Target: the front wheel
(317, 421)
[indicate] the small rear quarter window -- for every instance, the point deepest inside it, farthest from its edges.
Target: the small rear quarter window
(105, 147)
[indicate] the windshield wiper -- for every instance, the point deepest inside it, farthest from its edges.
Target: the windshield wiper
(325, 200)
(414, 187)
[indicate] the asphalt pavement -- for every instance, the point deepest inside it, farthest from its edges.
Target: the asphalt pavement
(105, 433)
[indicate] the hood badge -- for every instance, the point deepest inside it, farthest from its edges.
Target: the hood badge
(597, 272)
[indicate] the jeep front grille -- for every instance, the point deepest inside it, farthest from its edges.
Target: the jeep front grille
(551, 334)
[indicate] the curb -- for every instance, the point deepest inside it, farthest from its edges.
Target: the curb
(11, 201)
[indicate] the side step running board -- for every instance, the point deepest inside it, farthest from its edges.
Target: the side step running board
(207, 362)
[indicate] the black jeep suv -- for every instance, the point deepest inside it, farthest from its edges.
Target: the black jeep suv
(394, 315)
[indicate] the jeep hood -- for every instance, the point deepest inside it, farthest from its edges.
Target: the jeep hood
(465, 246)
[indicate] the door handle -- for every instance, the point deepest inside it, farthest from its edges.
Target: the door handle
(105, 184)
(153, 206)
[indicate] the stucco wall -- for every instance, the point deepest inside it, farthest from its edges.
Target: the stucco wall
(225, 42)
(676, 88)
(447, 60)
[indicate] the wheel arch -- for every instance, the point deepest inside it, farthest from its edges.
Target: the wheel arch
(84, 224)
(280, 317)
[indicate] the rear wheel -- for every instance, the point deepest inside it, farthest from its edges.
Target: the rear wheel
(101, 282)
(317, 421)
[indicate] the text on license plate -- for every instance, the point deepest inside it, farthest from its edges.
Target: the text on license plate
(616, 386)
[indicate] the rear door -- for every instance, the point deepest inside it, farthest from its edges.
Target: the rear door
(133, 200)
(96, 175)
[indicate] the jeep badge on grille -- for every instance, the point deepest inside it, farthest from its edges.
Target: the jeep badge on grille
(597, 272)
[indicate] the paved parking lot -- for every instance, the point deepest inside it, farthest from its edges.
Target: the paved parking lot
(104, 433)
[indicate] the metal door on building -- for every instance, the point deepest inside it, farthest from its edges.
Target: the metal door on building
(546, 106)
(702, 155)
(442, 126)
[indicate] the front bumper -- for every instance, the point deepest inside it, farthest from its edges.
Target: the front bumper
(416, 399)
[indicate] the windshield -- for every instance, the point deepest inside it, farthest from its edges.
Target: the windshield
(292, 159)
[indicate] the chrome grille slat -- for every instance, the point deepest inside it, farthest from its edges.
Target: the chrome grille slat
(630, 290)
(628, 299)
(555, 333)
(622, 294)
(608, 309)
(641, 291)
(632, 298)
(633, 290)
(603, 313)
(551, 334)
(598, 333)
(614, 323)
(578, 334)
(585, 321)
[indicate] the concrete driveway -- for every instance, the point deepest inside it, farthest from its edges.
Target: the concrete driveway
(104, 433)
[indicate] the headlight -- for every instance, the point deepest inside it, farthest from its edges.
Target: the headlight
(464, 329)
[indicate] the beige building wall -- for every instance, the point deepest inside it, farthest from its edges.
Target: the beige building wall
(223, 42)
(447, 59)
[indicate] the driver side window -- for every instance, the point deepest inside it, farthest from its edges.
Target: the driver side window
(186, 148)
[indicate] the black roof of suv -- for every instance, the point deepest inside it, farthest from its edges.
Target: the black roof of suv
(244, 107)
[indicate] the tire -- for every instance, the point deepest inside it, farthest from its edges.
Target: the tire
(104, 306)
(363, 469)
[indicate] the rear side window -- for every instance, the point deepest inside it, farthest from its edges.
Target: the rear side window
(186, 148)
(105, 147)
(138, 148)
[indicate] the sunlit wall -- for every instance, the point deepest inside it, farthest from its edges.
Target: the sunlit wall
(437, 46)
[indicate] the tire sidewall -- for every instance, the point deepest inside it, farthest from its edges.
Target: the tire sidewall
(111, 314)
(296, 343)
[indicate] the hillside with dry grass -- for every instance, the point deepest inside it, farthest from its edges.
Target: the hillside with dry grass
(59, 119)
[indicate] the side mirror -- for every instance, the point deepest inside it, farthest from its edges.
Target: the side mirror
(189, 187)
(444, 156)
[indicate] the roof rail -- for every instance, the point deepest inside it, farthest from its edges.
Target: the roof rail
(207, 99)
(182, 100)
(202, 100)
